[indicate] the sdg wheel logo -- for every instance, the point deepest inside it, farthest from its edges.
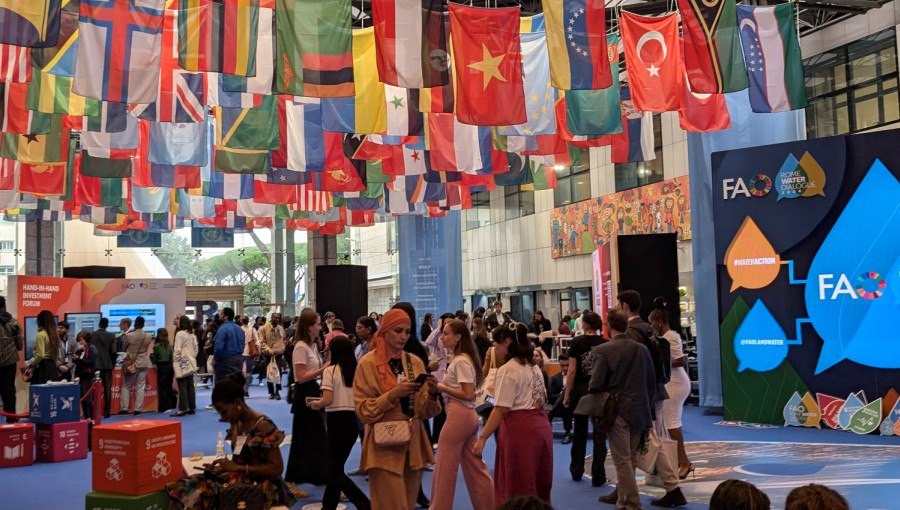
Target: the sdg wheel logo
(760, 185)
(870, 285)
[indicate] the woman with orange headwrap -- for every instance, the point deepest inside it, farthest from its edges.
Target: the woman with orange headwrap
(384, 390)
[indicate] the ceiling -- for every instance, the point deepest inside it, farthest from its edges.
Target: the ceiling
(814, 14)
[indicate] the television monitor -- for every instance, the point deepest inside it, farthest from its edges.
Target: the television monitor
(83, 322)
(31, 334)
(154, 316)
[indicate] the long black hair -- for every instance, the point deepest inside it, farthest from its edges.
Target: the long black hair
(413, 345)
(45, 321)
(521, 347)
(343, 356)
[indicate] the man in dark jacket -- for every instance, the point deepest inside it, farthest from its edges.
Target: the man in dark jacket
(12, 358)
(105, 342)
(642, 333)
(623, 367)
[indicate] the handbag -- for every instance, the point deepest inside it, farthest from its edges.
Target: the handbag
(273, 372)
(647, 452)
(394, 432)
(484, 397)
(241, 496)
(603, 405)
(129, 364)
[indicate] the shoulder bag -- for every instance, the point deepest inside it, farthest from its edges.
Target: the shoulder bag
(129, 364)
(603, 405)
(394, 432)
(484, 397)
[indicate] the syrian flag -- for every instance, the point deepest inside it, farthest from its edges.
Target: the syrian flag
(403, 115)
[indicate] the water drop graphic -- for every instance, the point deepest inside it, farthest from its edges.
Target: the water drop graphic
(849, 293)
(811, 417)
(831, 409)
(789, 179)
(751, 260)
(760, 342)
(851, 405)
(867, 419)
(815, 176)
(792, 409)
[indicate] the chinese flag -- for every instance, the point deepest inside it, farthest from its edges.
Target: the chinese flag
(653, 60)
(488, 62)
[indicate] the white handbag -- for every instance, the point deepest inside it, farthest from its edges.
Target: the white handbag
(647, 453)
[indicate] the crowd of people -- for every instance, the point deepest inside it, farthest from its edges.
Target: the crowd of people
(418, 397)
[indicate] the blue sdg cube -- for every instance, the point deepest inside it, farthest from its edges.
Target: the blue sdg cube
(54, 403)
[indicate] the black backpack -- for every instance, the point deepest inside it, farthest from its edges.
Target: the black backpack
(641, 332)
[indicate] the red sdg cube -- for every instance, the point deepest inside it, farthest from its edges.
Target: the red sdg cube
(136, 457)
(16, 444)
(60, 442)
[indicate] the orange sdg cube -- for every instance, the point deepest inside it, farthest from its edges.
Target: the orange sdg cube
(136, 457)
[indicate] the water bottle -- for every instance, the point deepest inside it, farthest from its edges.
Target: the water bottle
(220, 445)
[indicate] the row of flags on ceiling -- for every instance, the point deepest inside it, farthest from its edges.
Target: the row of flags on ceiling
(241, 114)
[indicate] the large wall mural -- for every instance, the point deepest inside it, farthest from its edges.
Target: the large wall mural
(659, 208)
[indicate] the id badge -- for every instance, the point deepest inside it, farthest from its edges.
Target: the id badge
(239, 444)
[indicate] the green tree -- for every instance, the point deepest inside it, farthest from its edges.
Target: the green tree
(181, 260)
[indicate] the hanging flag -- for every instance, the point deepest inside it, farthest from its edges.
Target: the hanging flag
(181, 95)
(702, 113)
(534, 23)
(218, 36)
(179, 143)
(636, 143)
(195, 207)
(488, 65)
(211, 238)
(150, 200)
(139, 239)
(310, 199)
(555, 144)
(32, 23)
(653, 60)
(576, 40)
(15, 64)
(365, 112)
(124, 143)
(597, 112)
(112, 118)
(519, 173)
(98, 215)
(542, 173)
(52, 147)
(772, 54)
(436, 99)
(230, 186)
(314, 48)
(41, 179)
(244, 137)
(119, 50)
(457, 147)
(403, 115)
(17, 118)
(405, 160)
(181, 177)
(301, 138)
(105, 165)
(712, 51)
(411, 38)
(49, 93)
(96, 191)
(59, 58)
(539, 96)
(261, 81)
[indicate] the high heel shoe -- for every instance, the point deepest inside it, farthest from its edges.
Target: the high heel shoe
(685, 471)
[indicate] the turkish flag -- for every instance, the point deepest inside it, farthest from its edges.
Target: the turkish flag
(488, 61)
(653, 60)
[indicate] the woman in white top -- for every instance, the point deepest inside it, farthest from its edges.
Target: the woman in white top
(337, 400)
(184, 363)
(308, 446)
(678, 387)
(523, 463)
(460, 429)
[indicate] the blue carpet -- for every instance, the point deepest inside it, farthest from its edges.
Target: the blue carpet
(63, 486)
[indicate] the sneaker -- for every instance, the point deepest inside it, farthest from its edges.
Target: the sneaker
(208, 407)
(611, 498)
(567, 438)
(672, 499)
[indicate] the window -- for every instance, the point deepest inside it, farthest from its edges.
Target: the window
(7, 270)
(854, 87)
(517, 202)
(633, 175)
(573, 182)
(480, 213)
(7, 245)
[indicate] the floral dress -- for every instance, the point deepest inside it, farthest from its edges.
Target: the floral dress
(202, 493)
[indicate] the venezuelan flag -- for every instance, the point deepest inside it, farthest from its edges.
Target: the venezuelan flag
(576, 41)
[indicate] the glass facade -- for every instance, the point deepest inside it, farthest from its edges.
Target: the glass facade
(480, 213)
(854, 87)
(573, 182)
(517, 202)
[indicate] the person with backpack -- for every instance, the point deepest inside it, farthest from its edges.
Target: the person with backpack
(12, 359)
(642, 333)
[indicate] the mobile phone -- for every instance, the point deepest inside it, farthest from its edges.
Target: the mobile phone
(421, 379)
(310, 400)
